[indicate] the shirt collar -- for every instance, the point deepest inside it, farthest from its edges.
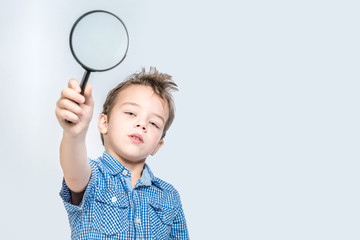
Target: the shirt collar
(145, 179)
(115, 167)
(150, 178)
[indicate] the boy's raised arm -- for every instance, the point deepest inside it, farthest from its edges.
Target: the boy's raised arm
(78, 109)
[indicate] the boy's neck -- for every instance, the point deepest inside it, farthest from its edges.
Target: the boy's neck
(135, 168)
(136, 175)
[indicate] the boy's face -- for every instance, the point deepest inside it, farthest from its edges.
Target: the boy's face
(136, 123)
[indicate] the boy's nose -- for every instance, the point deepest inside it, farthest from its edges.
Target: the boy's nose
(142, 126)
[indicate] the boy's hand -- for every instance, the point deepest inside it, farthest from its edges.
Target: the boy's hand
(73, 110)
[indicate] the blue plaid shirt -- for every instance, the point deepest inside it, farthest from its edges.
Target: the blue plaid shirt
(111, 209)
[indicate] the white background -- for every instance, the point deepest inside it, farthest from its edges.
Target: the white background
(265, 144)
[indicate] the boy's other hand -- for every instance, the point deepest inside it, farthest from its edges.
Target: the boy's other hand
(73, 110)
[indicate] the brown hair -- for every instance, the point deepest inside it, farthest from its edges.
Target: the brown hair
(162, 85)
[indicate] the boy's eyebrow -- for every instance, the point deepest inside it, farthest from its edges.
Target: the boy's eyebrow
(137, 105)
(130, 103)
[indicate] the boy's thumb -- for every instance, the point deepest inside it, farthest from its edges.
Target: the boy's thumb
(88, 94)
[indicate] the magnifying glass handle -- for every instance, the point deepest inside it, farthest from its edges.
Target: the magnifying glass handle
(84, 81)
(82, 86)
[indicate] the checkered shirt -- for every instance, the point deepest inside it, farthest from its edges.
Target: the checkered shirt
(110, 210)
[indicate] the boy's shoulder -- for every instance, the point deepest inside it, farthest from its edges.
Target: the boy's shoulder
(164, 185)
(107, 167)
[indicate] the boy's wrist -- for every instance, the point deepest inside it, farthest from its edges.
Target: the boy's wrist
(70, 135)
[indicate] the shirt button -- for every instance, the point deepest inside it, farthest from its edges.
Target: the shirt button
(125, 172)
(113, 199)
(137, 220)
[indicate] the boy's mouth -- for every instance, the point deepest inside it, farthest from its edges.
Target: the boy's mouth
(136, 138)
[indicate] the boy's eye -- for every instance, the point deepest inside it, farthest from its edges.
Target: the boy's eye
(154, 124)
(130, 113)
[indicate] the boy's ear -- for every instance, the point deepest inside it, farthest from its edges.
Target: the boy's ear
(158, 147)
(103, 123)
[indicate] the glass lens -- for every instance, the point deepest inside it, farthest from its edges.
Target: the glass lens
(99, 41)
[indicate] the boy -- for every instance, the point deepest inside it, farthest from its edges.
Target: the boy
(117, 196)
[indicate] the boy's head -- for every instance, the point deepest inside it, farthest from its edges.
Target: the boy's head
(160, 84)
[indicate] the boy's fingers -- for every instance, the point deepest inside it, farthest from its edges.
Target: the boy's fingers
(63, 115)
(74, 84)
(72, 95)
(69, 105)
(71, 117)
(87, 94)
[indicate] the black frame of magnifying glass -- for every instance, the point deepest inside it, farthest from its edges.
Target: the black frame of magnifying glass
(88, 70)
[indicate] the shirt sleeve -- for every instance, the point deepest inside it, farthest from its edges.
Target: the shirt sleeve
(65, 192)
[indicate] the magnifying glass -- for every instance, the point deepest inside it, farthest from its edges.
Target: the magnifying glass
(99, 42)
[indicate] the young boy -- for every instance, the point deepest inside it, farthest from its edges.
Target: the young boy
(117, 196)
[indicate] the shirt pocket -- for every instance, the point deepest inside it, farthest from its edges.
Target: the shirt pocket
(111, 212)
(162, 217)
